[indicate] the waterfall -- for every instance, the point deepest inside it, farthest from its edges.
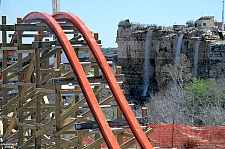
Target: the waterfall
(196, 58)
(177, 54)
(146, 62)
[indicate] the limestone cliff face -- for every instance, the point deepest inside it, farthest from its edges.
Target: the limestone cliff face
(131, 48)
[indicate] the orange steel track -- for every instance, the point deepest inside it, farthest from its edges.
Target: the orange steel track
(83, 81)
(108, 74)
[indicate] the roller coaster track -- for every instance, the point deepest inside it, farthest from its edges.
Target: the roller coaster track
(83, 81)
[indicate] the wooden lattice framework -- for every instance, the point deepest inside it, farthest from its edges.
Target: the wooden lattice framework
(25, 114)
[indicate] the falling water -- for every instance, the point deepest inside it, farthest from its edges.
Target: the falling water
(177, 54)
(176, 63)
(146, 62)
(196, 58)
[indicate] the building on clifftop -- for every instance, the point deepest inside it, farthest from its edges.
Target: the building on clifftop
(205, 22)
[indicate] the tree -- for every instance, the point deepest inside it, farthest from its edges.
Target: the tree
(190, 23)
(205, 100)
(206, 92)
(167, 106)
(184, 73)
(200, 103)
(164, 108)
(192, 102)
(125, 24)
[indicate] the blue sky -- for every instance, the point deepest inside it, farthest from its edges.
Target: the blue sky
(103, 16)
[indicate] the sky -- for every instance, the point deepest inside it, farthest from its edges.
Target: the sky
(103, 16)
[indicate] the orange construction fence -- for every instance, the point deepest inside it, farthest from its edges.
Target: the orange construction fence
(185, 137)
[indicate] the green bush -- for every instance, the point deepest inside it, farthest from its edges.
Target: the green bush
(206, 92)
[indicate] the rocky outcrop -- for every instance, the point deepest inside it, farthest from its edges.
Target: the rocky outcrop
(131, 46)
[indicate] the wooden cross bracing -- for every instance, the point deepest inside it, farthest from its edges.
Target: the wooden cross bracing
(29, 114)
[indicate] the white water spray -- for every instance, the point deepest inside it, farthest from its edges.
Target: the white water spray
(177, 55)
(146, 62)
(196, 58)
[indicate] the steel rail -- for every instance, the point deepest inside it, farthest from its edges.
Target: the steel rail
(110, 78)
(81, 76)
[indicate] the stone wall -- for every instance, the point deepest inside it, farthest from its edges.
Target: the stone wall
(131, 48)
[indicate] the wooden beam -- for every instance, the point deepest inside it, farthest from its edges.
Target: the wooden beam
(71, 91)
(43, 44)
(50, 91)
(25, 51)
(144, 112)
(58, 99)
(83, 116)
(87, 68)
(27, 104)
(47, 78)
(70, 132)
(30, 102)
(105, 106)
(121, 129)
(9, 118)
(40, 36)
(11, 101)
(97, 74)
(74, 139)
(120, 135)
(4, 74)
(49, 54)
(132, 141)
(72, 104)
(21, 95)
(7, 69)
(38, 98)
(9, 48)
(112, 123)
(9, 86)
(93, 79)
(5, 27)
(28, 114)
(45, 63)
(52, 122)
(39, 27)
(60, 140)
(130, 135)
(80, 47)
(48, 70)
(21, 92)
(28, 76)
(98, 142)
(26, 125)
(33, 85)
(93, 63)
(46, 56)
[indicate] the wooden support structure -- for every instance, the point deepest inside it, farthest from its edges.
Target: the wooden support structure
(45, 105)
(4, 76)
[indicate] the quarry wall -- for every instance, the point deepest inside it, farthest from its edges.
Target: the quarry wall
(131, 47)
